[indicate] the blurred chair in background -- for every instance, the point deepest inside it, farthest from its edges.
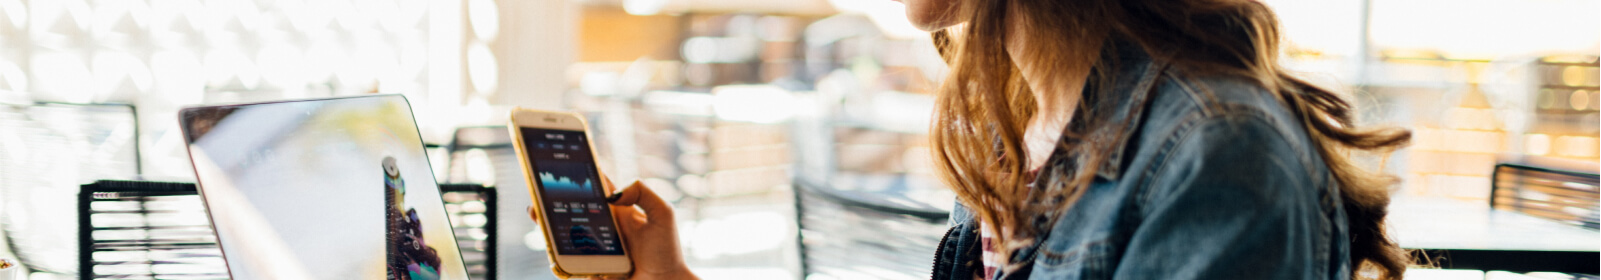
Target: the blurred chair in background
(141, 229)
(862, 211)
(1562, 195)
(46, 150)
(860, 235)
(159, 230)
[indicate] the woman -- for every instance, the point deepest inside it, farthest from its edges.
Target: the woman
(1135, 139)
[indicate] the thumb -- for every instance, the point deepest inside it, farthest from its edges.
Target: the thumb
(637, 194)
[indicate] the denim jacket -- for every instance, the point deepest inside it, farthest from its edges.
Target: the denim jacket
(1213, 178)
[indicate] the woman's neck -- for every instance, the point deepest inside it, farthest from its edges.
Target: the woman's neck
(1057, 85)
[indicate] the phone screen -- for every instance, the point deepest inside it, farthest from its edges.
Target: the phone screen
(574, 200)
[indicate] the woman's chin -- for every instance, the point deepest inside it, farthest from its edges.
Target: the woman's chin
(930, 15)
(928, 24)
(932, 27)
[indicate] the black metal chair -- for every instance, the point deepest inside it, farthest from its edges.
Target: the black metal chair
(157, 230)
(856, 221)
(50, 148)
(1561, 195)
(842, 231)
(139, 229)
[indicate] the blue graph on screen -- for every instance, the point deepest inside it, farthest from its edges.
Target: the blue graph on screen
(564, 184)
(566, 177)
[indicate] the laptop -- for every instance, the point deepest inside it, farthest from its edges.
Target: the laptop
(336, 188)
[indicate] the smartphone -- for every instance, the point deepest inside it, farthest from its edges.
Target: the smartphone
(559, 164)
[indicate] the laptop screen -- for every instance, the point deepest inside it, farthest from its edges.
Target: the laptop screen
(321, 189)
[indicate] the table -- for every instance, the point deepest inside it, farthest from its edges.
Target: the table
(1470, 235)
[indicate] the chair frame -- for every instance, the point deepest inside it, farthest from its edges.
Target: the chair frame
(88, 194)
(1495, 185)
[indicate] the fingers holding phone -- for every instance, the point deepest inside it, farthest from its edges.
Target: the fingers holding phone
(651, 233)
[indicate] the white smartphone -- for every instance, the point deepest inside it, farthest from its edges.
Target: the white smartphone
(569, 197)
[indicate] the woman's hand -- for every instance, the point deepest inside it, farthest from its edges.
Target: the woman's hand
(648, 230)
(650, 233)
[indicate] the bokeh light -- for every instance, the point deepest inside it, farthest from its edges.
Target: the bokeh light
(485, 18)
(483, 69)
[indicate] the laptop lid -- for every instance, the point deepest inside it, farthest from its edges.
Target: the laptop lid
(336, 188)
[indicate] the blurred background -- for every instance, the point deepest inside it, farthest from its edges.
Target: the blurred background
(789, 133)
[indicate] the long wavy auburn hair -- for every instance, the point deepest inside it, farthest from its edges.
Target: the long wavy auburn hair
(984, 105)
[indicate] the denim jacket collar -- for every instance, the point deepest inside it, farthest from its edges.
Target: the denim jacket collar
(1135, 73)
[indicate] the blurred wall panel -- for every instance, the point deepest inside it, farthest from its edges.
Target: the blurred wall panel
(784, 7)
(533, 49)
(607, 33)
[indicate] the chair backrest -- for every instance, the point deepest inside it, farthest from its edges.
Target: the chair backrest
(145, 230)
(495, 144)
(47, 150)
(852, 234)
(1562, 195)
(159, 230)
(857, 214)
